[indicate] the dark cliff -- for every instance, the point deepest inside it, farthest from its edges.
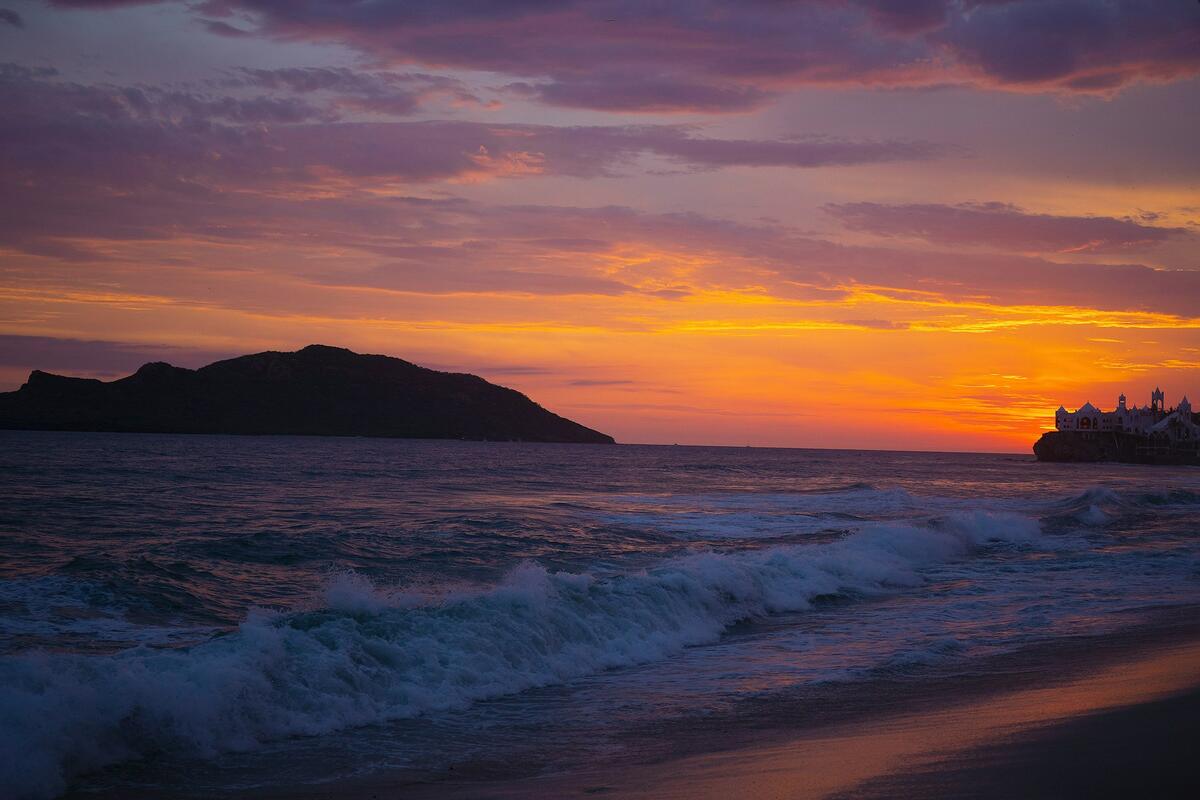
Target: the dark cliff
(1085, 446)
(319, 390)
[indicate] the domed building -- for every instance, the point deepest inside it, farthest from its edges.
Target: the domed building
(1145, 420)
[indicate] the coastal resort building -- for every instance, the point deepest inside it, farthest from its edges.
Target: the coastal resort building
(1177, 425)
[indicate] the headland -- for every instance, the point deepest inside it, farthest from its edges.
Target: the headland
(316, 391)
(1152, 434)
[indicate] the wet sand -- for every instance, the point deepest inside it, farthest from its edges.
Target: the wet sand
(1144, 750)
(1113, 716)
(1009, 745)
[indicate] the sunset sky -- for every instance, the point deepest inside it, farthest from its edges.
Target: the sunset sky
(847, 223)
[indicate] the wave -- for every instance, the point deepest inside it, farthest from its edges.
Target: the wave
(1167, 497)
(1098, 505)
(1103, 495)
(368, 655)
(1090, 496)
(759, 515)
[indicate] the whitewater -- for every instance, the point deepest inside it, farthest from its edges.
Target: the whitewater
(182, 603)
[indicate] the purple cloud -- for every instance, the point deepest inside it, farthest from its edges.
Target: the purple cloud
(69, 138)
(387, 93)
(999, 225)
(906, 16)
(799, 152)
(1076, 45)
(10, 17)
(216, 26)
(88, 172)
(728, 55)
(1002, 279)
(613, 91)
(97, 359)
(456, 246)
(100, 4)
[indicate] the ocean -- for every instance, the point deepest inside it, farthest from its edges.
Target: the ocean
(190, 616)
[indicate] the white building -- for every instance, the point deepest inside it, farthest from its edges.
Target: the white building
(1146, 420)
(1178, 427)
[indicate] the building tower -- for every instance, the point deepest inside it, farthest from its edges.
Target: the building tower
(1121, 403)
(1156, 400)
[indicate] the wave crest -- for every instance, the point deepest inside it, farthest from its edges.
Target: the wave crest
(368, 656)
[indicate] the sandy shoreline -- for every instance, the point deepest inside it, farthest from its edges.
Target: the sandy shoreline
(1144, 750)
(1094, 716)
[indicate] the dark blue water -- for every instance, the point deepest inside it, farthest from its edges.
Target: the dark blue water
(191, 615)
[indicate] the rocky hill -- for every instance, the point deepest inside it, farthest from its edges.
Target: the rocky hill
(320, 390)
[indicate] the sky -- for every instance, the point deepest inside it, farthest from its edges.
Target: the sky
(889, 224)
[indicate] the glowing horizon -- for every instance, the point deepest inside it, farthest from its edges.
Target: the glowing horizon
(830, 224)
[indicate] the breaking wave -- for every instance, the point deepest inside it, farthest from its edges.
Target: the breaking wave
(1098, 505)
(363, 655)
(1103, 495)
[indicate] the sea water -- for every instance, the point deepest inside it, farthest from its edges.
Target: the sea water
(190, 615)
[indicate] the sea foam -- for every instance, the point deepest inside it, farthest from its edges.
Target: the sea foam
(366, 656)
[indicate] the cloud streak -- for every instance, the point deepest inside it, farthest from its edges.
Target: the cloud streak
(420, 246)
(96, 358)
(398, 94)
(1002, 226)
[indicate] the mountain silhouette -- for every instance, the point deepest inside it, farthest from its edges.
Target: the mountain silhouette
(319, 390)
